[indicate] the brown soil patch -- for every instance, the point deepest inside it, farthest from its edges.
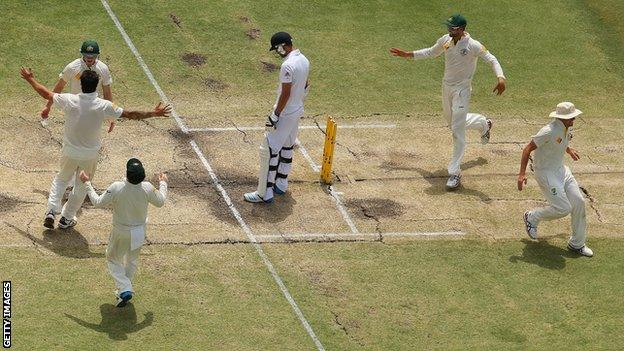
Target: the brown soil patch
(215, 84)
(269, 67)
(244, 19)
(253, 33)
(376, 208)
(193, 59)
(175, 19)
(7, 203)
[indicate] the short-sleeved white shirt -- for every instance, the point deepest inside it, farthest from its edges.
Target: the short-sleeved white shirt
(295, 69)
(71, 74)
(551, 141)
(84, 114)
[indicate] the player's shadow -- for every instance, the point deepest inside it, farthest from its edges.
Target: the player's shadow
(543, 254)
(63, 242)
(117, 322)
(437, 181)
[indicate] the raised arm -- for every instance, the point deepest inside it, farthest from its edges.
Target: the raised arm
(159, 110)
(28, 75)
(157, 197)
(58, 88)
(526, 152)
(98, 201)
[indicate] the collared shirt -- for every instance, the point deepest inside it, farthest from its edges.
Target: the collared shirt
(295, 69)
(84, 114)
(460, 58)
(71, 74)
(129, 201)
(552, 141)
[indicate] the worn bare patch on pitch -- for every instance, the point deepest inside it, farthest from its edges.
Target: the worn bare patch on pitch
(193, 211)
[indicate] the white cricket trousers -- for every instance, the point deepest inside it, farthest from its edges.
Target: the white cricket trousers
(564, 196)
(69, 168)
(455, 103)
(121, 261)
(281, 142)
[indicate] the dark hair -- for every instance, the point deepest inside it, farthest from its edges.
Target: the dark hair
(89, 81)
(135, 173)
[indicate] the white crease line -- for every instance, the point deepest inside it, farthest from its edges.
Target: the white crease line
(350, 236)
(252, 239)
(342, 209)
(236, 129)
(215, 180)
(307, 156)
(334, 195)
(147, 71)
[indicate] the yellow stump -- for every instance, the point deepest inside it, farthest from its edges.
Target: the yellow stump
(328, 150)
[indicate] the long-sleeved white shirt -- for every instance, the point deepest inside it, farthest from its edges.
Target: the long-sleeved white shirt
(460, 58)
(129, 201)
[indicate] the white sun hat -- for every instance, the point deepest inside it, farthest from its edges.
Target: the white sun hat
(565, 110)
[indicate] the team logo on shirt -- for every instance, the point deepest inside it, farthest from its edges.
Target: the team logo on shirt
(463, 52)
(559, 140)
(553, 191)
(287, 74)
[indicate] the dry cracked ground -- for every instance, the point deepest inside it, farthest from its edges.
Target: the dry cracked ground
(390, 180)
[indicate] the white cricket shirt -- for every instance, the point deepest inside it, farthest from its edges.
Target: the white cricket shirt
(460, 58)
(129, 201)
(84, 114)
(552, 141)
(71, 74)
(295, 69)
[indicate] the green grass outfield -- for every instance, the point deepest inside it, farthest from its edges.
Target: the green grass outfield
(447, 294)
(444, 295)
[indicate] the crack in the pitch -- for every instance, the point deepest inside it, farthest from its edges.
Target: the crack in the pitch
(241, 131)
(592, 202)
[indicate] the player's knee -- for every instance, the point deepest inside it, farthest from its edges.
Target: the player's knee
(563, 209)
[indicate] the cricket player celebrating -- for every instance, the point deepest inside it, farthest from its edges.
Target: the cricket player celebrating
(460, 53)
(84, 115)
(129, 200)
(555, 180)
(90, 51)
(276, 150)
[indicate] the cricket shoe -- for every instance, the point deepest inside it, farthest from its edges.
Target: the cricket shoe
(485, 138)
(123, 298)
(278, 191)
(48, 220)
(65, 223)
(253, 197)
(453, 182)
(585, 251)
(531, 229)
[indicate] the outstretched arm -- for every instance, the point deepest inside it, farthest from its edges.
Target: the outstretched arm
(157, 197)
(28, 75)
(159, 110)
(433, 51)
(526, 152)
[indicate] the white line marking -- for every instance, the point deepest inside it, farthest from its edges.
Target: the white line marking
(234, 129)
(334, 195)
(252, 239)
(307, 156)
(147, 71)
(342, 209)
(215, 180)
(349, 236)
(274, 239)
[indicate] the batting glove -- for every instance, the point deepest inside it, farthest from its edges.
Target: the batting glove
(271, 122)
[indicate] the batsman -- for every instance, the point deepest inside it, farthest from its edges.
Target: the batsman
(276, 150)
